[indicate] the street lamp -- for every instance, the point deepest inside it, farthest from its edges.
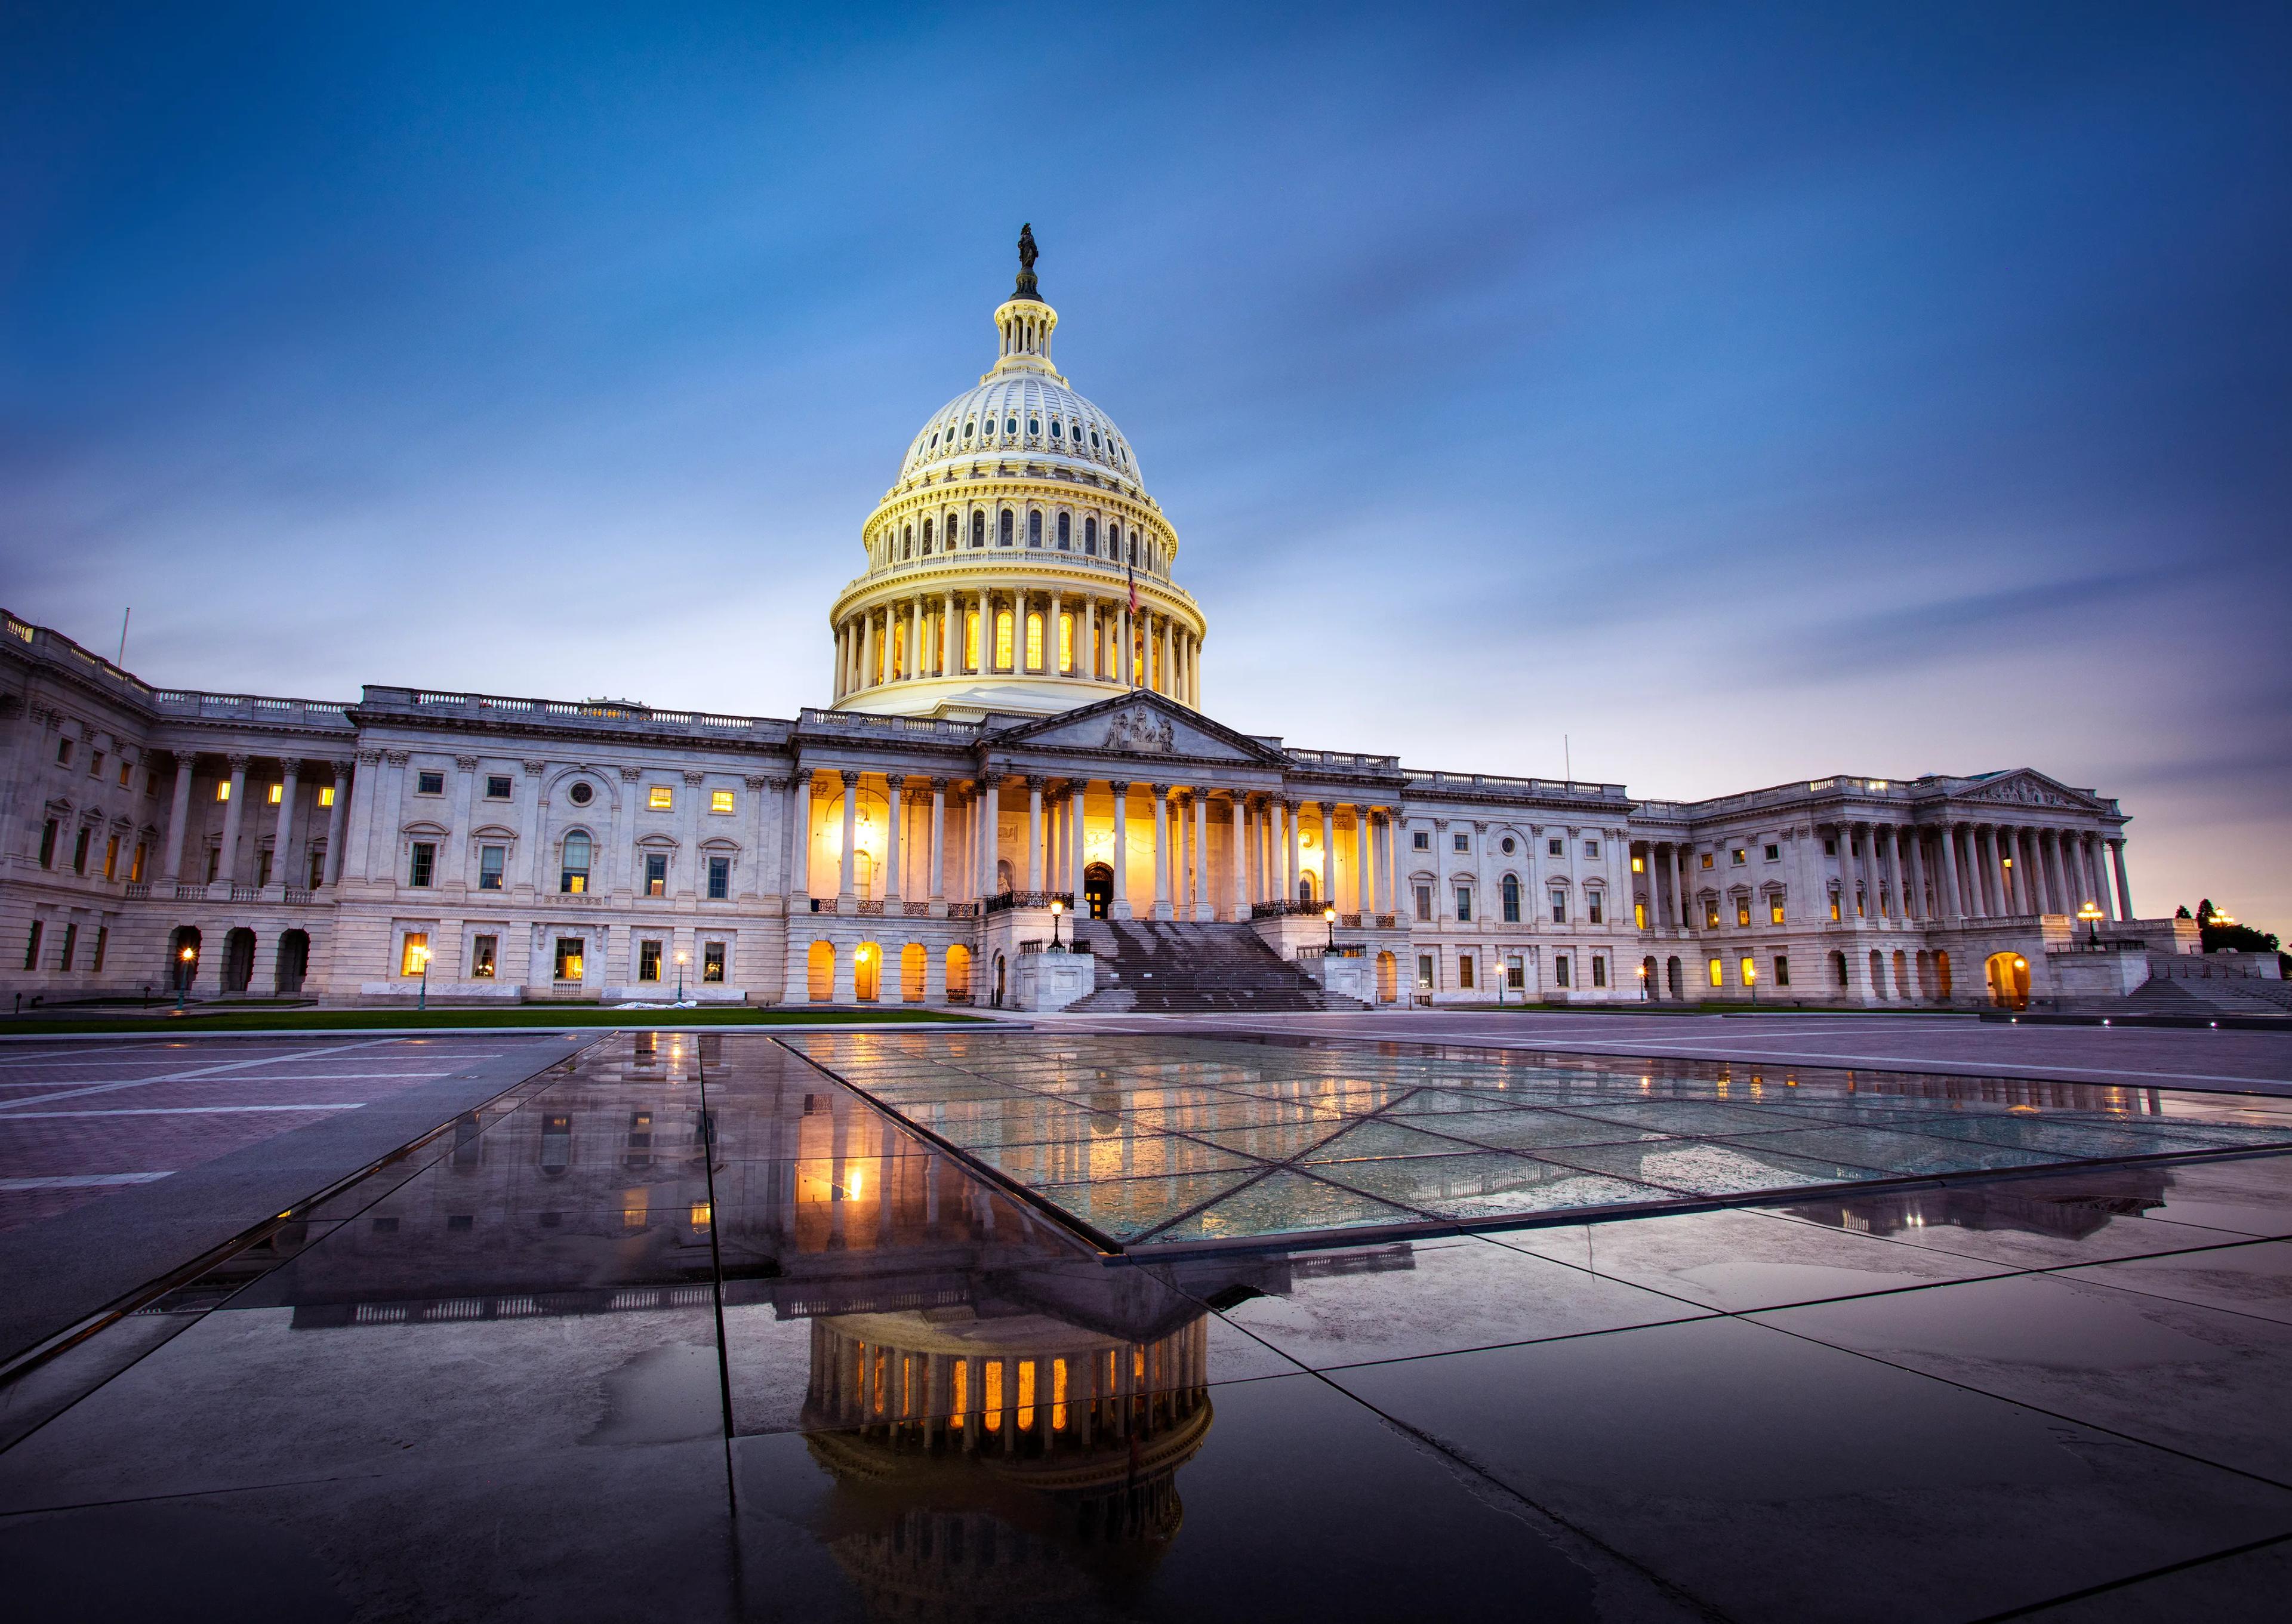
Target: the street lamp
(1058, 907)
(1751, 978)
(1643, 984)
(1329, 918)
(681, 956)
(421, 962)
(184, 981)
(2091, 914)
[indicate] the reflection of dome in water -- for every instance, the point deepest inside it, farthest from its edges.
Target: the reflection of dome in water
(1000, 1468)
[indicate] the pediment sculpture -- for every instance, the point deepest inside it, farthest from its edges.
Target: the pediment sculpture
(1141, 732)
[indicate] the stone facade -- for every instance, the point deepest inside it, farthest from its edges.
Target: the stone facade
(1017, 716)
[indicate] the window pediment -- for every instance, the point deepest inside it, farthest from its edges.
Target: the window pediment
(425, 829)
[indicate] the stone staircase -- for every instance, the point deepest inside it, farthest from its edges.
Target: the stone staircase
(1155, 966)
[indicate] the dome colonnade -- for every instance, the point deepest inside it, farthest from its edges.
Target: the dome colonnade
(1018, 564)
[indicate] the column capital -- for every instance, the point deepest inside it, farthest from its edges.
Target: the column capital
(760, 783)
(467, 763)
(939, 786)
(898, 781)
(369, 758)
(396, 759)
(694, 779)
(850, 777)
(239, 761)
(1034, 782)
(342, 769)
(535, 769)
(630, 775)
(1160, 790)
(290, 768)
(1120, 788)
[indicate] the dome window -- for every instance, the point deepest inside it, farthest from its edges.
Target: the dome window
(1010, 425)
(1089, 536)
(966, 431)
(978, 529)
(927, 537)
(1054, 429)
(1066, 528)
(1094, 440)
(1035, 527)
(1003, 536)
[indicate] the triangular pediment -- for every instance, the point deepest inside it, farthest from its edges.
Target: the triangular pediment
(2024, 787)
(1140, 724)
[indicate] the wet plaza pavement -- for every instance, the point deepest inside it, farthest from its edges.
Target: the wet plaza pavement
(685, 1326)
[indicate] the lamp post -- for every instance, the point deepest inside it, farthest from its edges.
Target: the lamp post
(1329, 918)
(681, 956)
(422, 999)
(184, 981)
(1751, 978)
(2091, 914)
(1057, 908)
(1643, 984)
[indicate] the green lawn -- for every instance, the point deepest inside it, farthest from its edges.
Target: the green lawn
(171, 1025)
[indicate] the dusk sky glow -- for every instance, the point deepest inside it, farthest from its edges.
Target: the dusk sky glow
(1746, 398)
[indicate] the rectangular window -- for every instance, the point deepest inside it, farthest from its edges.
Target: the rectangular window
(648, 961)
(223, 789)
(1718, 974)
(1066, 641)
(721, 801)
(1511, 900)
(1742, 913)
(656, 874)
(1559, 900)
(126, 775)
(430, 783)
(1420, 840)
(1465, 903)
(1639, 865)
(414, 953)
(32, 948)
(1515, 974)
(1464, 843)
(712, 961)
(1711, 913)
(262, 867)
(111, 857)
(63, 759)
(1424, 903)
(71, 942)
(48, 833)
(1598, 971)
(1002, 640)
(971, 636)
(326, 796)
(426, 863)
(135, 864)
(481, 956)
(1559, 971)
(1591, 848)
(95, 765)
(1833, 908)
(275, 794)
(79, 851)
(490, 860)
(1748, 972)
(102, 936)
(1775, 908)
(1639, 915)
(498, 786)
(215, 863)
(1592, 900)
(660, 797)
(1424, 964)
(1706, 860)
(1737, 857)
(1773, 853)
(1782, 971)
(569, 959)
(719, 878)
(1464, 970)
(1556, 847)
(317, 867)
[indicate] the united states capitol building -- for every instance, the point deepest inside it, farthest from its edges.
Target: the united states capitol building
(1019, 716)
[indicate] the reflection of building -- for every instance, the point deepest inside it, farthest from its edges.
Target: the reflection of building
(2067, 1206)
(1016, 713)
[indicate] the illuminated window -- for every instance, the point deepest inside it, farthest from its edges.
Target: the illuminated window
(1718, 974)
(656, 874)
(1034, 640)
(1639, 865)
(648, 961)
(1516, 973)
(111, 857)
(1003, 638)
(430, 783)
(1066, 641)
(569, 959)
(127, 774)
(970, 642)
(483, 949)
(573, 877)
(712, 961)
(990, 1393)
(490, 861)
(720, 801)
(275, 794)
(1424, 965)
(424, 865)
(1833, 908)
(498, 786)
(414, 953)
(660, 797)
(1707, 859)
(223, 789)
(1742, 912)
(1775, 908)
(1746, 972)
(135, 866)
(1737, 857)
(1639, 915)
(1711, 913)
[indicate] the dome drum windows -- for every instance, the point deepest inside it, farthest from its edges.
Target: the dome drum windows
(1090, 537)
(1066, 528)
(1003, 536)
(1034, 526)
(978, 529)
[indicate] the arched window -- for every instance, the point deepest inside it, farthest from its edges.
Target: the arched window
(1003, 536)
(978, 529)
(574, 875)
(1033, 641)
(1511, 899)
(1089, 536)
(1133, 548)
(1002, 640)
(1034, 526)
(1113, 540)
(927, 537)
(1066, 528)
(907, 542)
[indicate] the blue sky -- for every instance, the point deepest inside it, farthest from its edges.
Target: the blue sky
(1743, 394)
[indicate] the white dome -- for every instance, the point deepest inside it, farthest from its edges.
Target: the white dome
(1022, 414)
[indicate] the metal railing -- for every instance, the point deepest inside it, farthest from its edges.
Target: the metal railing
(1002, 901)
(1282, 908)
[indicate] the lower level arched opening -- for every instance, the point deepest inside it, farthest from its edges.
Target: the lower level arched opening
(183, 957)
(866, 972)
(1671, 977)
(915, 962)
(1098, 889)
(1650, 978)
(1941, 972)
(958, 975)
(294, 961)
(819, 972)
(999, 969)
(2008, 978)
(238, 959)
(1388, 977)
(1877, 973)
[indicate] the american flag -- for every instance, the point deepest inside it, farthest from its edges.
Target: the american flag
(1131, 570)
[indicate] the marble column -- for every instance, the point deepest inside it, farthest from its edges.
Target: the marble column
(1953, 905)
(282, 835)
(1289, 869)
(2124, 887)
(179, 817)
(1202, 909)
(1237, 813)
(1079, 850)
(1364, 878)
(939, 846)
(1328, 815)
(895, 796)
(990, 822)
(1034, 833)
(843, 892)
(1121, 907)
(340, 809)
(227, 863)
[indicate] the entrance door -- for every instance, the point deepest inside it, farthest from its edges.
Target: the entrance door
(1098, 889)
(2008, 974)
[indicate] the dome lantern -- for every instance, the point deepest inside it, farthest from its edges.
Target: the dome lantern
(1025, 322)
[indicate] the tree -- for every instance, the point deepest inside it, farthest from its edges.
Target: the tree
(2221, 935)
